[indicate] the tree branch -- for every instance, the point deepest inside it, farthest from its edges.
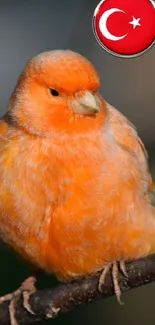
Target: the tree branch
(51, 302)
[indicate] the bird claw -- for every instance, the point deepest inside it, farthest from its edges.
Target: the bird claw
(116, 285)
(27, 288)
(103, 276)
(13, 320)
(26, 304)
(123, 268)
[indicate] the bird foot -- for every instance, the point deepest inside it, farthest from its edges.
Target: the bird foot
(27, 288)
(115, 270)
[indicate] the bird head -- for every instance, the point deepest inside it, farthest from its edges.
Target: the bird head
(58, 92)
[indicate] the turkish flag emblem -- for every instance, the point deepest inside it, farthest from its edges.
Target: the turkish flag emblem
(125, 28)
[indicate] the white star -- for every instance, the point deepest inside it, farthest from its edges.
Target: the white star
(135, 22)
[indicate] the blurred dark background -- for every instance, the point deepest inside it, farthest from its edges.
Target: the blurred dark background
(28, 27)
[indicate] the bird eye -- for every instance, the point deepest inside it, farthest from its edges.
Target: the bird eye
(54, 92)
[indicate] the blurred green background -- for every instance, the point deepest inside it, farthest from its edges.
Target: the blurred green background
(28, 27)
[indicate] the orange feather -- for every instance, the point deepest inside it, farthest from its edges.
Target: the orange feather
(75, 190)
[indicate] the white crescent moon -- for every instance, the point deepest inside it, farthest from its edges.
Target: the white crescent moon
(103, 25)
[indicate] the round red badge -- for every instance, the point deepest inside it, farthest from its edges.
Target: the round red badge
(125, 28)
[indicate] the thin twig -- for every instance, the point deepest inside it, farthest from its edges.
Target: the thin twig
(50, 303)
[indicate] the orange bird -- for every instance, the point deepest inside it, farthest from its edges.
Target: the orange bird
(75, 192)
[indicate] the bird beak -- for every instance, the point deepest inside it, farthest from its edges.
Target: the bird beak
(85, 103)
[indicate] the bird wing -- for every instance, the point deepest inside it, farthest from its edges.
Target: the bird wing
(126, 136)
